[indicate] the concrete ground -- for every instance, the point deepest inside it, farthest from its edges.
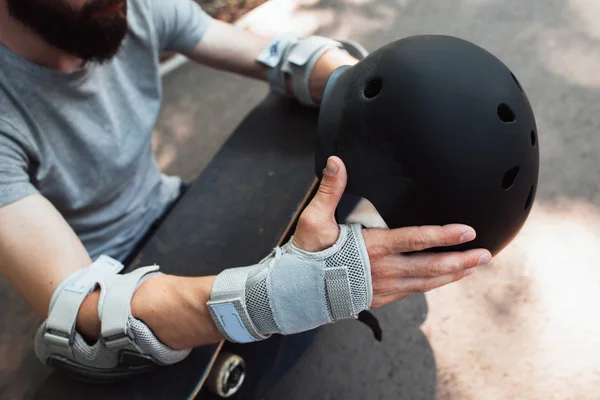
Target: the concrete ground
(525, 327)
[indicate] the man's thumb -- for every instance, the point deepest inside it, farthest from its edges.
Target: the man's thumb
(332, 187)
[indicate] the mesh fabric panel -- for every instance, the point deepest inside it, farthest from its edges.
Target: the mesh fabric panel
(257, 303)
(145, 339)
(97, 355)
(349, 257)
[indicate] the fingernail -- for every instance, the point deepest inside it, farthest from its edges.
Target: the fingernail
(331, 168)
(469, 271)
(484, 259)
(467, 236)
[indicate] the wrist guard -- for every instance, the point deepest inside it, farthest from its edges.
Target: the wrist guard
(293, 290)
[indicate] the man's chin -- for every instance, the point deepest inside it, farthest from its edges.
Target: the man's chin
(98, 50)
(99, 57)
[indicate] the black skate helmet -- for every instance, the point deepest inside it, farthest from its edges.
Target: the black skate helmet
(434, 130)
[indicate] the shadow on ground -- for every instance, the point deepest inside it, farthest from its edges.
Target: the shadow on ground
(347, 363)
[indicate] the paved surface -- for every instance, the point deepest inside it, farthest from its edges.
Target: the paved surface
(527, 326)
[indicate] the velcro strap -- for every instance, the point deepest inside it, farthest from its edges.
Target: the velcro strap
(116, 307)
(305, 49)
(67, 299)
(339, 293)
(301, 62)
(227, 306)
(272, 55)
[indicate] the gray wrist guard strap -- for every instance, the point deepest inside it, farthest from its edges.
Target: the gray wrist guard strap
(293, 290)
(287, 54)
(126, 345)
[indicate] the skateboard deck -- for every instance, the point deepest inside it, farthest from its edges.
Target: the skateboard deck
(245, 202)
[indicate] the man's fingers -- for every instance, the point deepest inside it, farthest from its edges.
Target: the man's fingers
(331, 188)
(317, 228)
(402, 286)
(431, 264)
(426, 284)
(417, 238)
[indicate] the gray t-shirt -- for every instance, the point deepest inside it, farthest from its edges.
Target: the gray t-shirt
(83, 140)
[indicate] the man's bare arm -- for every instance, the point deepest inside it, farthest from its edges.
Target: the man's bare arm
(233, 49)
(38, 249)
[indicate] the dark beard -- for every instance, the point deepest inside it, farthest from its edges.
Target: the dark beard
(83, 33)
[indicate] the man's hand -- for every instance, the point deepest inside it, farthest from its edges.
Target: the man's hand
(395, 275)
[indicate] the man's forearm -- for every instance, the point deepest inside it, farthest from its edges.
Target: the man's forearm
(230, 48)
(173, 307)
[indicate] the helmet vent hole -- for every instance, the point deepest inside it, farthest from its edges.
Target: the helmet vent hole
(372, 88)
(529, 199)
(516, 81)
(509, 177)
(533, 138)
(505, 113)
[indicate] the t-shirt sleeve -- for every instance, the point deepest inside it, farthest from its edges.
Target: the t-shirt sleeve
(15, 182)
(179, 24)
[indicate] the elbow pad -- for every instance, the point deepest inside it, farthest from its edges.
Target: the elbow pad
(126, 345)
(288, 55)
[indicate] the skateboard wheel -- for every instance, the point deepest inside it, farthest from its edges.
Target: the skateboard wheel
(227, 375)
